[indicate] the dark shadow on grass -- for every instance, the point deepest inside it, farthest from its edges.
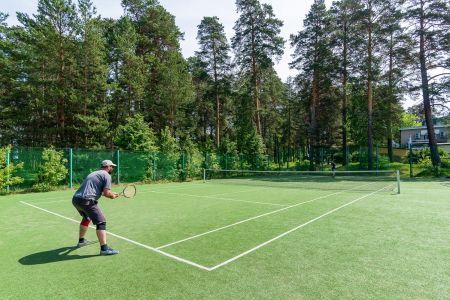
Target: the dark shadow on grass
(50, 256)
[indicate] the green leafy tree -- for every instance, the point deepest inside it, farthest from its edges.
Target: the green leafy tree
(200, 116)
(127, 71)
(168, 88)
(256, 43)
(191, 161)
(214, 52)
(168, 156)
(53, 170)
(430, 25)
(136, 135)
(314, 61)
(345, 41)
(50, 41)
(396, 57)
(7, 178)
(91, 111)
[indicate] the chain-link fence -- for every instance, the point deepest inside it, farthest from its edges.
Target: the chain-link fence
(135, 166)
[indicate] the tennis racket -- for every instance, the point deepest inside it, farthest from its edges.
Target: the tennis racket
(129, 191)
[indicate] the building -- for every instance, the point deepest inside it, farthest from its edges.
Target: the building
(417, 136)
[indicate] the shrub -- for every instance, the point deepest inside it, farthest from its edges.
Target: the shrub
(7, 177)
(168, 157)
(193, 160)
(302, 165)
(52, 172)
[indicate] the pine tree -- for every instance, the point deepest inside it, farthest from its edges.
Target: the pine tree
(214, 52)
(168, 87)
(91, 110)
(256, 44)
(396, 59)
(345, 40)
(50, 41)
(315, 62)
(430, 28)
(127, 71)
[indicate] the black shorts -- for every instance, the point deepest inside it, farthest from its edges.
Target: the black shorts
(89, 209)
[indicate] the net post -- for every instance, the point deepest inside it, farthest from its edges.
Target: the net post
(398, 181)
(204, 175)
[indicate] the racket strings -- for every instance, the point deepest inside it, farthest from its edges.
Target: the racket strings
(129, 191)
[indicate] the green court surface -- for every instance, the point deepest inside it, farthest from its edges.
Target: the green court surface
(234, 240)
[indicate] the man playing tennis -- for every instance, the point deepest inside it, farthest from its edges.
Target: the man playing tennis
(85, 200)
(333, 168)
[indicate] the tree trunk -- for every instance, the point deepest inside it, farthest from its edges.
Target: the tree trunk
(217, 136)
(436, 160)
(369, 93)
(344, 97)
(390, 99)
(255, 83)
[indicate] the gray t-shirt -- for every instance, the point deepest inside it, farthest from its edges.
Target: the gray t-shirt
(92, 187)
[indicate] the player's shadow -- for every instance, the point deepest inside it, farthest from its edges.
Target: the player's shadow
(50, 256)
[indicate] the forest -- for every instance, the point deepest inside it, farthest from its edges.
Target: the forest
(70, 78)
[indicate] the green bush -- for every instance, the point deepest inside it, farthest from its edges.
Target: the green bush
(302, 165)
(7, 177)
(423, 153)
(230, 159)
(383, 162)
(52, 172)
(193, 160)
(167, 159)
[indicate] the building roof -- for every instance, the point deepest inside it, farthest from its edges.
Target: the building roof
(424, 127)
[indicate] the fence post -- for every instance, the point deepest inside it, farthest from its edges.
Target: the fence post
(410, 161)
(376, 153)
(8, 160)
(71, 169)
(118, 166)
(360, 157)
(154, 166)
(347, 156)
(183, 165)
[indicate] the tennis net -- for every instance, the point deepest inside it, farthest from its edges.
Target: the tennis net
(386, 180)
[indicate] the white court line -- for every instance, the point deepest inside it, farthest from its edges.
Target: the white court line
(255, 217)
(54, 201)
(291, 230)
(217, 198)
(128, 240)
(69, 197)
(190, 195)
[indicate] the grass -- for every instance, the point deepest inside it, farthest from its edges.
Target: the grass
(382, 245)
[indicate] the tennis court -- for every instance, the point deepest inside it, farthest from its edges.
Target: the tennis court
(238, 235)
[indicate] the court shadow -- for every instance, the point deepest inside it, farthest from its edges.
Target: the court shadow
(50, 256)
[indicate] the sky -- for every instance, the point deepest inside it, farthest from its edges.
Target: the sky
(188, 15)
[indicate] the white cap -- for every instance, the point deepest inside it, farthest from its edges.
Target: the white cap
(107, 162)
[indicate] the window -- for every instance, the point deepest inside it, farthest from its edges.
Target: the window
(417, 135)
